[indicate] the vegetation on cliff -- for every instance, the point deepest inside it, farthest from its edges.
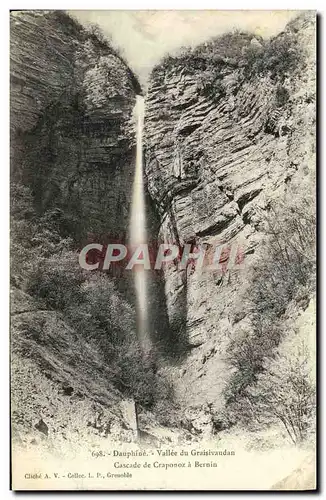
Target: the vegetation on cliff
(45, 267)
(250, 55)
(216, 144)
(230, 144)
(72, 162)
(271, 369)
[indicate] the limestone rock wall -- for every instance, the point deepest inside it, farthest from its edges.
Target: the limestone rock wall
(72, 98)
(221, 143)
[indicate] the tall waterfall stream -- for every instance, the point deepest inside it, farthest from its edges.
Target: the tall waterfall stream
(138, 233)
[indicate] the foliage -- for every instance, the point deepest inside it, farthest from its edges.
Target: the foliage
(278, 57)
(32, 238)
(284, 273)
(45, 265)
(246, 54)
(94, 32)
(285, 391)
(227, 48)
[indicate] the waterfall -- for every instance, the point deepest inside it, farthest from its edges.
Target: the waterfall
(138, 233)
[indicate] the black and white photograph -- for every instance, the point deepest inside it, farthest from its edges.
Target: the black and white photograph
(163, 250)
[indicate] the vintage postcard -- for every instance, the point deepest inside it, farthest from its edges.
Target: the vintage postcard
(163, 234)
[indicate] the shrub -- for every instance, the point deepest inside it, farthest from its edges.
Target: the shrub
(277, 57)
(45, 265)
(32, 238)
(56, 280)
(285, 391)
(285, 272)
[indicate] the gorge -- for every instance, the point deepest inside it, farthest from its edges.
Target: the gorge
(224, 152)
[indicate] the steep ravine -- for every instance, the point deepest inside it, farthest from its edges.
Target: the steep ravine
(222, 142)
(73, 148)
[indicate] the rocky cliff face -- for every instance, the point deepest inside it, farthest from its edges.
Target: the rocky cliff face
(72, 98)
(229, 128)
(224, 139)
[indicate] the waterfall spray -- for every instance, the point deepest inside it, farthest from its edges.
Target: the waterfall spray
(138, 229)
